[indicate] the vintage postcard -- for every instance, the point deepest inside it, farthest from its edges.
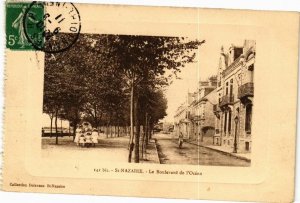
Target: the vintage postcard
(150, 101)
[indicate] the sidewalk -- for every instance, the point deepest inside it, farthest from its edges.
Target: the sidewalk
(243, 156)
(152, 154)
(112, 149)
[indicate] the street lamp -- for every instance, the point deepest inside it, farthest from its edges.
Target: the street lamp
(236, 120)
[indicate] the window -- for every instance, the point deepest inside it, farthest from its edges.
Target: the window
(226, 93)
(240, 76)
(247, 146)
(251, 67)
(229, 122)
(248, 118)
(231, 88)
(225, 122)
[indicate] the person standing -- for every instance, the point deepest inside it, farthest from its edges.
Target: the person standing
(77, 135)
(95, 137)
(88, 139)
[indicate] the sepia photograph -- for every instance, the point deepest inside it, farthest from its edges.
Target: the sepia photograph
(145, 99)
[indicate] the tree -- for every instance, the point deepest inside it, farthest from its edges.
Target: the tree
(141, 56)
(103, 77)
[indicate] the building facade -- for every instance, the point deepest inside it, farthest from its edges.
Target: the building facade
(181, 118)
(235, 92)
(195, 118)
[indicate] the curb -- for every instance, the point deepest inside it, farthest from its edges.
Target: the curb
(226, 153)
(157, 155)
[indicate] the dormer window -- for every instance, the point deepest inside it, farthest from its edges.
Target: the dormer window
(251, 67)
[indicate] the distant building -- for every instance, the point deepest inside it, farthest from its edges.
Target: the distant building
(181, 121)
(194, 118)
(168, 127)
(201, 112)
(235, 93)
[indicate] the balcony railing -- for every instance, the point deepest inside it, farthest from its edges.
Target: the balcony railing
(246, 90)
(226, 100)
(198, 117)
(216, 110)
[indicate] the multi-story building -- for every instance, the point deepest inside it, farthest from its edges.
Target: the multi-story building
(181, 118)
(201, 112)
(195, 118)
(235, 94)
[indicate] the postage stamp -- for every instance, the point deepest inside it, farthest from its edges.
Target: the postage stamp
(42, 26)
(16, 36)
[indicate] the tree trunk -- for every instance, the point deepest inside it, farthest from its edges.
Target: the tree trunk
(74, 128)
(56, 133)
(110, 130)
(143, 142)
(106, 130)
(148, 131)
(118, 130)
(51, 123)
(137, 133)
(69, 129)
(145, 129)
(131, 144)
(61, 129)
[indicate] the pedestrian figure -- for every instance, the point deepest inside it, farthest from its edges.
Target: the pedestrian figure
(95, 137)
(180, 140)
(88, 139)
(77, 135)
(81, 140)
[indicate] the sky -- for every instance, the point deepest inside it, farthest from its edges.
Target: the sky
(207, 60)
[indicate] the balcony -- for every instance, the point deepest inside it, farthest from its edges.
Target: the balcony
(216, 110)
(226, 100)
(246, 90)
(198, 118)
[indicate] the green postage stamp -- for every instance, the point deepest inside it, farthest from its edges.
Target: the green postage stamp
(24, 25)
(41, 26)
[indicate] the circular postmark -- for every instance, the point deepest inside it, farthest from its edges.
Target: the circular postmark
(56, 31)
